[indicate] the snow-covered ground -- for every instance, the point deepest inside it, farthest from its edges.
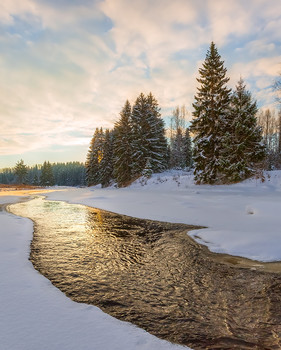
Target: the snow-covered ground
(37, 316)
(242, 219)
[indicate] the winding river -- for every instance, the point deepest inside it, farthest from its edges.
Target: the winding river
(154, 275)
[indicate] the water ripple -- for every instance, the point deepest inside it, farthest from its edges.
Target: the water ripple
(152, 274)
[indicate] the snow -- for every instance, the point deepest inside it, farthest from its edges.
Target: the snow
(37, 316)
(242, 219)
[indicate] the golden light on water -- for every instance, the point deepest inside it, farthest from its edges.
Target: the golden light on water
(22, 192)
(152, 274)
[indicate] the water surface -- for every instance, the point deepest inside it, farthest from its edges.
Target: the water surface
(154, 275)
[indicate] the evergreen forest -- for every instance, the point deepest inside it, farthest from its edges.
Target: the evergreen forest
(227, 140)
(137, 146)
(61, 174)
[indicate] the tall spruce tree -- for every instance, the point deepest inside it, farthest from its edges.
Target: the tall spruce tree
(106, 164)
(243, 148)
(211, 111)
(149, 145)
(94, 157)
(187, 150)
(123, 146)
(139, 132)
(158, 147)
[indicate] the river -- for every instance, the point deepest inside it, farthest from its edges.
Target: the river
(154, 275)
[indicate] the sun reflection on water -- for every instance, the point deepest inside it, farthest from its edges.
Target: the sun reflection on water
(154, 275)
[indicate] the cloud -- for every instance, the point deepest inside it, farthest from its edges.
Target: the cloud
(237, 18)
(157, 28)
(259, 76)
(227, 18)
(68, 66)
(11, 8)
(54, 15)
(263, 67)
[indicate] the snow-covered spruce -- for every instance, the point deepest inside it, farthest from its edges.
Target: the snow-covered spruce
(242, 140)
(227, 142)
(136, 142)
(211, 108)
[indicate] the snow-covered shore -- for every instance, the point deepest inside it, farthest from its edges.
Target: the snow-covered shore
(243, 219)
(37, 316)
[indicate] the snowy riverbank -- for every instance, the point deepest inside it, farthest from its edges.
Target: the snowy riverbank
(37, 316)
(241, 219)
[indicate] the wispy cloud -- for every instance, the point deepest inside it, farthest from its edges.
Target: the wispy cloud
(68, 66)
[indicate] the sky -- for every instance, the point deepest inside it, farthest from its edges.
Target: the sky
(68, 66)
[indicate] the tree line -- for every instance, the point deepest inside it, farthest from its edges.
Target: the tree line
(227, 146)
(61, 174)
(227, 141)
(137, 146)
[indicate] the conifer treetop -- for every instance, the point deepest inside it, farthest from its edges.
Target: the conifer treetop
(213, 73)
(210, 117)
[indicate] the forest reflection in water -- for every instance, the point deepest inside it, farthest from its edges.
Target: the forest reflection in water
(154, 275)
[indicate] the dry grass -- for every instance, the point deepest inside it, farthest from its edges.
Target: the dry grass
(22, 190)
(15, 187)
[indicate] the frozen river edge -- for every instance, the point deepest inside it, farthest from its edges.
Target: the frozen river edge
(36, 315)
(241, 219)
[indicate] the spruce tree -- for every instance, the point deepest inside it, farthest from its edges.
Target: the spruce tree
(187, 149)
(139, 132)
(211, 109)
(157, 147)
(123, 147)
(106, 164)
(21, 171)
(94, 157)
(35, 181)
(243, 147)
(47, 177)
(148, 136)
(138, 144)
